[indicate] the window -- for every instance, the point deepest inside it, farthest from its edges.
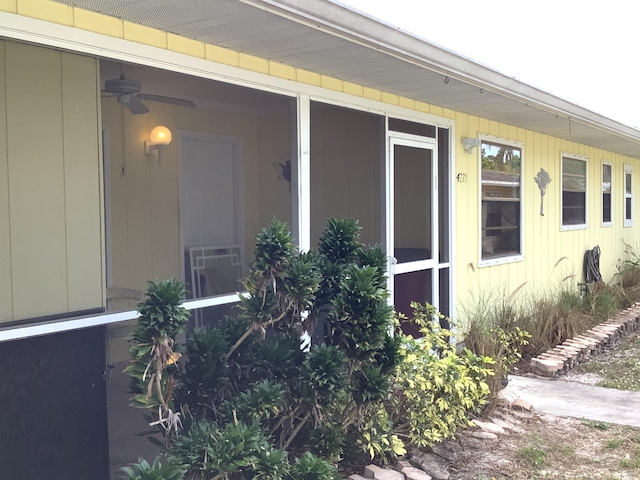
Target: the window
(606, 193)
(501, 186)
(628, 195)
(574, 192)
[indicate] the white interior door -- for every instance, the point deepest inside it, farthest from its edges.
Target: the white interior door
(211, 213)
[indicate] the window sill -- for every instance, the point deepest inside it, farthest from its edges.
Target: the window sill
(566, 228)
(489, 262)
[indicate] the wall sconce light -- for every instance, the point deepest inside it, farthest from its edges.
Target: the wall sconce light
(470, 143)
(159, 138)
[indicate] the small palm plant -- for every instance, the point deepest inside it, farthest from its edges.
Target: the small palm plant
(161, 319)
(142, 470)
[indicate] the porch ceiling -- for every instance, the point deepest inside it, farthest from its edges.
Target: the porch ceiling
(328, 38)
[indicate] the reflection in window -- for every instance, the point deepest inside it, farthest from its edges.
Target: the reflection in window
(628, 195)
(574, 191)
(606, 193)
(501, 178)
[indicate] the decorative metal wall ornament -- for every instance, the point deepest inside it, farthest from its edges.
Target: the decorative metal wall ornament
(542, 179)
(284, 171)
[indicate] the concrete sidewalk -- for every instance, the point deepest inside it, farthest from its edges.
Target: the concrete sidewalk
(573, 399)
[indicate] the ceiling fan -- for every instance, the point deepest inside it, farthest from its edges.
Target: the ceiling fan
(128, 93)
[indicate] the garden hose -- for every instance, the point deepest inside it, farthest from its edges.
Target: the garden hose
(592, 265)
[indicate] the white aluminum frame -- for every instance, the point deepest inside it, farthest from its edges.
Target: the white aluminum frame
(628, 170)
(393, 267)
(508, 258)
(48, 34)
(584, 159)
(610, 165)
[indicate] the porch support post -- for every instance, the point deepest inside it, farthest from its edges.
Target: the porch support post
(303, 189)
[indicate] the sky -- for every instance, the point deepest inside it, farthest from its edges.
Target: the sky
(573, 49)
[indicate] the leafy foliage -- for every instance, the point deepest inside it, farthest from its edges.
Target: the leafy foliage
(310, 467)
(154, 361)
(254, 399)
(436, 388)
(208, 451)
(143, 471)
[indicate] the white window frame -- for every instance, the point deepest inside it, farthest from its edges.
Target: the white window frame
(510, 258)
(610, 222)
(573, 156)
(628, 219)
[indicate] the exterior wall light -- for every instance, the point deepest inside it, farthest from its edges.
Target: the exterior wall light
(470, 143)
(159, 139)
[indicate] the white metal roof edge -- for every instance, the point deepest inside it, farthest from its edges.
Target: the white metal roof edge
(337, 19)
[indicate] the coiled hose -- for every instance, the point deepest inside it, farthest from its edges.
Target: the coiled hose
(592, 265)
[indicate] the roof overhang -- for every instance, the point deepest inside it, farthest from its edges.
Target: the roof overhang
(329, 38)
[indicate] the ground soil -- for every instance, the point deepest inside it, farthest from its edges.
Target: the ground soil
(550, 447)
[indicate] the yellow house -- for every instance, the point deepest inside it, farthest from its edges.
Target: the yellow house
(301, 110)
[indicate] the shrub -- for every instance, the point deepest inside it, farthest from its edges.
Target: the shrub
(436, 389)
(310, 467)
(143, 471)
(251, 370)
(252, 397)
(236, 450)
(154, 363)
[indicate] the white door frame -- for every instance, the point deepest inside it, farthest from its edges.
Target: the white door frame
(393, 267)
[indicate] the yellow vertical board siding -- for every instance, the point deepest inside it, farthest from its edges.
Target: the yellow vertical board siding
(46, 10)
(352, 89)
(274, 137)
(145, 234)
(331, 83)
(82, 181)
(390, 98)
(405, 102)
(165, 239)
(345, 170)
(143, 34)
(253, 63)
(10, 6)
(553, 257)
(305, 76)
(36, 181)
(185, 45)
(6, 287)
(116, 194)
(98, 23)
(139, 196)
(222, 55)
(282, 71)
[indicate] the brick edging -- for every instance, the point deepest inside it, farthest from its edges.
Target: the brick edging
(562, 358)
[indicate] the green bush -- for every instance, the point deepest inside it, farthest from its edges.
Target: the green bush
(252, 370)
(143, 471)
(252, 397)
(154, 363)
(436, 389)
(310, 467)
(237, 450)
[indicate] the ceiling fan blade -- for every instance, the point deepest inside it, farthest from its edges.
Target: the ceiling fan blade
(173, 101)
(136, 106)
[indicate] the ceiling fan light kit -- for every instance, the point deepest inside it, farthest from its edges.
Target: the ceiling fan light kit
(127, 92)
